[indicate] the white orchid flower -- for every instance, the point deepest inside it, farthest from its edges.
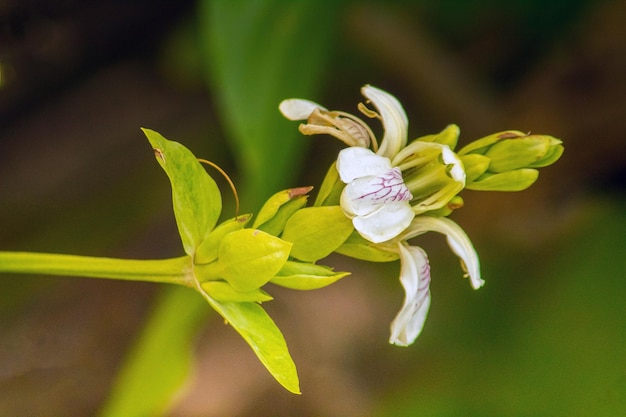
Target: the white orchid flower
(395, 192)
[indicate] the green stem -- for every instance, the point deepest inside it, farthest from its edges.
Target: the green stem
(171, 271)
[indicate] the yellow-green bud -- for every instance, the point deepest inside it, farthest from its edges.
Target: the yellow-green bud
(506, 161)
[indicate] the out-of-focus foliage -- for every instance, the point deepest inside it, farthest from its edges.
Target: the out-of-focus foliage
(256, 54)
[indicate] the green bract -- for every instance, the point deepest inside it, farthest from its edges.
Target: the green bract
(197, 200)
(306, 276)
(249, 258)
(316, 232)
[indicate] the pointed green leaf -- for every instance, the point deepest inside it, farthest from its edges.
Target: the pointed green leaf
(316, 232)
(222, 291)
(197, 200)
(306, 276)
(517, 180)
(264, 337)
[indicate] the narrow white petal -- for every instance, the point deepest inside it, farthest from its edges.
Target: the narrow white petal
(394, 120)
(457, 239)
(355, 162)
(385, 223)
(298, 109)
(415, 278)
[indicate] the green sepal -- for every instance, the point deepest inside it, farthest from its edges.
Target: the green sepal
(448, 136)
(554, 153)
(516, 180)
(261, 333)
(480, 146)
(277, 210)
(331, 188)
(196, 197)
(512, 154)
(359, 248)
(249, 258)
(316, 232)
(223, 291)
(475, 165)
(306, 276)
(209, 249)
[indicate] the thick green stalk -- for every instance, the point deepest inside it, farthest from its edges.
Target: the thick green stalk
(170, 271)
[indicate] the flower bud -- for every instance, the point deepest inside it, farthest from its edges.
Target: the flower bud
(247, 260)
(505, 161)
(278, 208)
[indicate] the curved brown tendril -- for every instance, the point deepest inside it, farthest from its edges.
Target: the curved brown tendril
(230, 182)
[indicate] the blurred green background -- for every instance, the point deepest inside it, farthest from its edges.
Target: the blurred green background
(546, 336)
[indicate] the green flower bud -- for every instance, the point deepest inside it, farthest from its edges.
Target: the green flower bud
(277, 210)
(316, 232)
(247, 260)
(306, 276)
(505, 161)
(480, 146)
(510, 154)
(475, 165)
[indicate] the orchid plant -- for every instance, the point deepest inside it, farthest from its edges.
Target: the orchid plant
(374, 199)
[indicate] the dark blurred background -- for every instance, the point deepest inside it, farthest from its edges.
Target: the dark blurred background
(545, 337)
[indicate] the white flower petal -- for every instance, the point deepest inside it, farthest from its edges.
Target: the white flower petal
(450, 158)
(457, 239)
(394, 120)
(355, 162)
(415, 278)
(298, 109)
(385, 223)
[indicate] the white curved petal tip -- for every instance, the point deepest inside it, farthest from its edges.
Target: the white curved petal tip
(298, 109)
